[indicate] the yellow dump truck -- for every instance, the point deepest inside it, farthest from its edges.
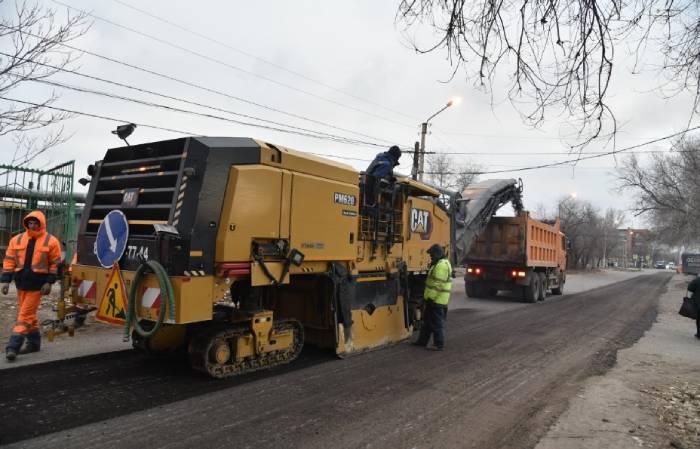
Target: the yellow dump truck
(240, 252)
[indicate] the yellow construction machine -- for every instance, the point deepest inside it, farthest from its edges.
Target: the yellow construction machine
(240, 252)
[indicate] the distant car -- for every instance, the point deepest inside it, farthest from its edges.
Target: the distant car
(670, 266)
(660, 265)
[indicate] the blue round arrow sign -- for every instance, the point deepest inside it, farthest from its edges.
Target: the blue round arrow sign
(111, 238)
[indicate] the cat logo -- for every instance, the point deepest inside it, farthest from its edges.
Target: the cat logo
(421, 223)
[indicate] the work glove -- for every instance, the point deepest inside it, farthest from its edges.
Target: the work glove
(46, 289)
(4, 288)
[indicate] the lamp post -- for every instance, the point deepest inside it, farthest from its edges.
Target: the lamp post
(631, 246)
(419, 154)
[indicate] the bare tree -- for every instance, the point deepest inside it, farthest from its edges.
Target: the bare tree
(612, 221)
(440, 169)
(540, 212)
(592, 236)
(561, 53)
(445, 172)
(34, 50)
(667, 191)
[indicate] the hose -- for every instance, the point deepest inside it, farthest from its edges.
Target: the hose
(285, 269)
(165, 287)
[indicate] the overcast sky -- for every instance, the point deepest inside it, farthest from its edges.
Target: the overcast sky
(340, 63)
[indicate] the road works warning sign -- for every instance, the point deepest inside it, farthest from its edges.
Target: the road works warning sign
(112, 308)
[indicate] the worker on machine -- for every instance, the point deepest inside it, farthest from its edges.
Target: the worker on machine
(381, 169)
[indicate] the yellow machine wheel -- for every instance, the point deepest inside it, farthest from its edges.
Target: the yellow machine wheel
(220, 352)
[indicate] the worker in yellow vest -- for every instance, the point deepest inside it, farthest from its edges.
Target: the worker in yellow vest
(438, 285)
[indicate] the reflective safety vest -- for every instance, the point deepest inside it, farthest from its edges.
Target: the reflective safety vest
(45, 259)
(439, 283)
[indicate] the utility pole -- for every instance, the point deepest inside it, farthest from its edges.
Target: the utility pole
(416, 156)
(605, 246)
(423, 132)
(421, 154)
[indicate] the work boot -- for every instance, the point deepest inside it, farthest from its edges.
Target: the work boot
(10, 354)
(435, 348)
(33, 341)
(29, 348)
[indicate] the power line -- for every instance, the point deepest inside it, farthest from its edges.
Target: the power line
(230, 66)
(257, 58)
(555, 164)
(150, 92)
(194, 103)
(306, 133)
(194, 85)
(103, 117)
(572, 161)
(502, 136)
(341, 157)
(143, 125)
(551, 153)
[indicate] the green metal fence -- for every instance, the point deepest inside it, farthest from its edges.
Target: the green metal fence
(23, 190)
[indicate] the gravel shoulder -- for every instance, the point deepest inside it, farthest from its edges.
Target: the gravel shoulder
(651, 398)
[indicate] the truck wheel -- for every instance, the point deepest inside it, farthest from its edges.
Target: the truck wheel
(532, 291)
(470, 289)
(543, 287)
(559, 289)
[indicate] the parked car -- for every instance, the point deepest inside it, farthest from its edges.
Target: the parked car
(660, 264)
(670, 266)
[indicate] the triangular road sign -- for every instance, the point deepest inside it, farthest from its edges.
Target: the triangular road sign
(112, 308)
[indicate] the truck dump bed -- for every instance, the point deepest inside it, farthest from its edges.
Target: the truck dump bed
(519, 240)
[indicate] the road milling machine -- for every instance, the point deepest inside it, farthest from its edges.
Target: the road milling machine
(239, 252)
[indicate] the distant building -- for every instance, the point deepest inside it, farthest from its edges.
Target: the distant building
(632, 248)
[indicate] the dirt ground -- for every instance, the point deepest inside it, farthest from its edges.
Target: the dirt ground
(651, 398)
(93, 338)
(8, 314)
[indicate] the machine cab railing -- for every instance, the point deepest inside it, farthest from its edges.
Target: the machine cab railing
(381, 211)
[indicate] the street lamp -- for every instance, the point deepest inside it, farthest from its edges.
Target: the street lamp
(419, 155)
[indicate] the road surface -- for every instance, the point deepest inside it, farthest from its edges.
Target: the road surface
(503, 379)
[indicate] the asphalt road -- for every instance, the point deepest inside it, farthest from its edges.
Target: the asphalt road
(503, 379)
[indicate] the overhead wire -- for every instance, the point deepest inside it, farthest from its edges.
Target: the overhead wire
(170, 97)
(554, 164)
(100, 116)
(545, 153)
(140, 124)
(258, 58)
(297, 131)
(575, 160)
(520, 169)
(197, 86)
(230, 66)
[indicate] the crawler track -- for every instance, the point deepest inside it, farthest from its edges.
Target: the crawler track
(201, 346)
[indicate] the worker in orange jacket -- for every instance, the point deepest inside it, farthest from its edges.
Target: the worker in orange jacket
(31, 260)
